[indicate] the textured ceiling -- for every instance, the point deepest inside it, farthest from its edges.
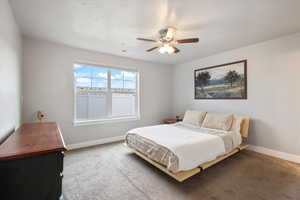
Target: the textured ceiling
(111, 26)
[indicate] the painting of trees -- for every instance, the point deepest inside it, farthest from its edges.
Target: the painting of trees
(202, 79)
(225, 81)
(231, 77)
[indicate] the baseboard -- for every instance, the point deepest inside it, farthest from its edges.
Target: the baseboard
(95, 142)
(275, 153)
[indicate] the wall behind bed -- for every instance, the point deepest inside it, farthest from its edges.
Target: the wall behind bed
(273, 91)
(48, 86)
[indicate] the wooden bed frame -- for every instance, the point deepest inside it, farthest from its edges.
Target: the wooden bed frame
(183, 175)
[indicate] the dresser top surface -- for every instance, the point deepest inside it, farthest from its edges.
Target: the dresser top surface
(32, 139)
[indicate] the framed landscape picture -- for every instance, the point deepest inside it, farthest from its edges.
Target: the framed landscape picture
(226, 81)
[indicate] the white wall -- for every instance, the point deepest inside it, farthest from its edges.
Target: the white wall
(273, 91)
(48, 86)
(10, 67)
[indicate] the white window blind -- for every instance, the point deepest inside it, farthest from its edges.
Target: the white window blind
(103, 93)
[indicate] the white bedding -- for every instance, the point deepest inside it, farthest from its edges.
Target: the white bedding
(192, 146)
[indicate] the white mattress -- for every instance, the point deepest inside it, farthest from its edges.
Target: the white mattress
(193, 146)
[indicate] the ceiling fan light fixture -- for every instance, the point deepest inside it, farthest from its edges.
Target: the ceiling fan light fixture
(166, 41)
(166, 49)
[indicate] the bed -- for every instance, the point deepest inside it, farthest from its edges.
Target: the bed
(182, 150)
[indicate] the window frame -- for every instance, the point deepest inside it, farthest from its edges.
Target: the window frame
(110, 119)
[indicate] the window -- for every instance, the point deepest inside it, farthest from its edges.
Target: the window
(105, 94)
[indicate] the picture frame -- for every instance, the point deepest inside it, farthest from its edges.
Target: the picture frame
(225, 81)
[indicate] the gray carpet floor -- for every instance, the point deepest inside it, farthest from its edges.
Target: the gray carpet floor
(112, 172)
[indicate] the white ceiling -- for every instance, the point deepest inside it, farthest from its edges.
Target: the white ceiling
(110, 26)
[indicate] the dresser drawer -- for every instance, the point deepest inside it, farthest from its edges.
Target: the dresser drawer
(34, 178)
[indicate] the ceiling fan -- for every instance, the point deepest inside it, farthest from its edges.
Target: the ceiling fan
(167, 43)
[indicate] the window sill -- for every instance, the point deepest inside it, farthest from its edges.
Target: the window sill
(105, 121)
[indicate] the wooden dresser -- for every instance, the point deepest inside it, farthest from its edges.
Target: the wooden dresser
(31, 163)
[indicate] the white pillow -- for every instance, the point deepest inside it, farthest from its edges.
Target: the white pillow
(193, 117)
(218, 121)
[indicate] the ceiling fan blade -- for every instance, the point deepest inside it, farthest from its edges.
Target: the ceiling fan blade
(189, 40)
(147, 40)
(176, 50)
(152, 49)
